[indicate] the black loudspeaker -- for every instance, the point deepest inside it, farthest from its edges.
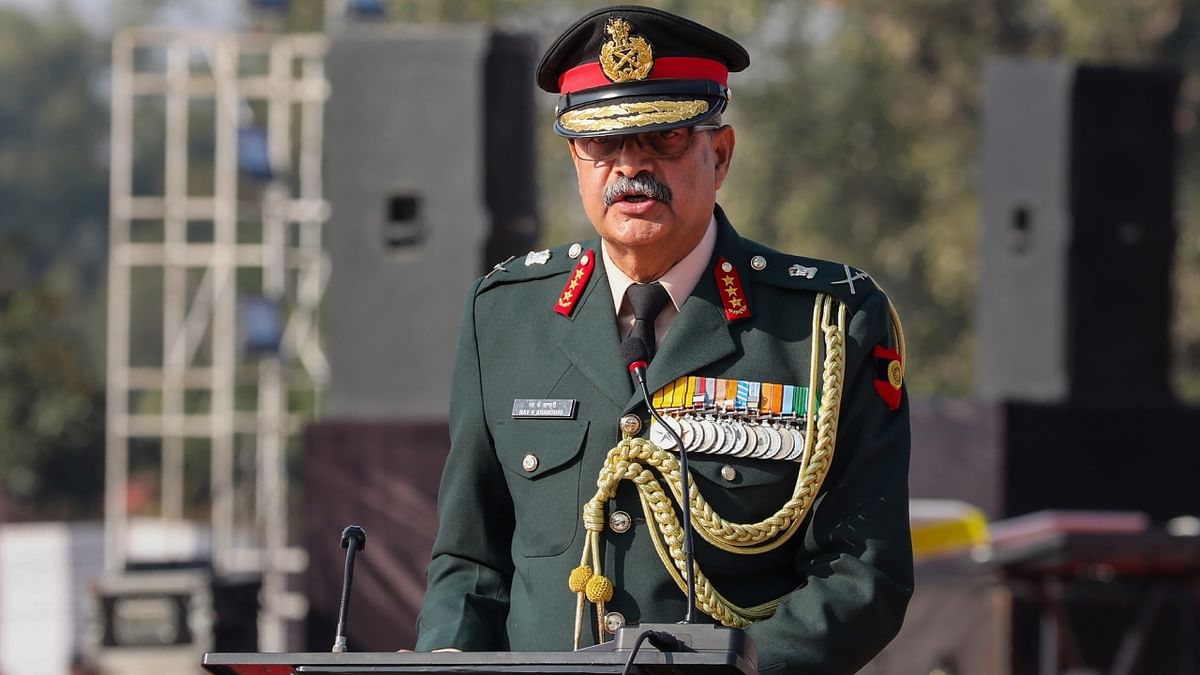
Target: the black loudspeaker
(1014, 458)
(1078, 233)
(1130, 457)
(430, 176)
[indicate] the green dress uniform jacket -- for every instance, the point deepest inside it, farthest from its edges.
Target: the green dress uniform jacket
(510, 501)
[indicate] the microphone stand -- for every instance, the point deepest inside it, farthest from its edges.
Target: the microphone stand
(636, 355)
(687, 635)
(684, 503)
(354, 539)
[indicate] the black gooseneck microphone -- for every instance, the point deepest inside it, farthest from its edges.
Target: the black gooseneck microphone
(636, 357)
(354, 539)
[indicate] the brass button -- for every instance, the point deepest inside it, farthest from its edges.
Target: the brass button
(613, 621)
(530, 463)
(619, 522)
(758, 262)
(728, 472)
(631, 424)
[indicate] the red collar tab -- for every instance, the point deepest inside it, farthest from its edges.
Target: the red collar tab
(590, 75)
(733, 296)
(576, 283)
(889, 375)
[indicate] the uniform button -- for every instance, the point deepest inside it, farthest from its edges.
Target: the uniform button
(758, 262)
(530, 463)
(728, 472)
(726, 266)
(619, 522)
(631, 424)
(575, 250)
(613, 621)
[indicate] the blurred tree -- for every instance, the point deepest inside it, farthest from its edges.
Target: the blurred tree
(53, 206)
(52, 128)
(51, 403)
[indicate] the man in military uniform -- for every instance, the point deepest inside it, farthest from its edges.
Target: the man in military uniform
(782, 376)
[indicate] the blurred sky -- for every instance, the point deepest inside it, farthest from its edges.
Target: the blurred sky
(99, 14)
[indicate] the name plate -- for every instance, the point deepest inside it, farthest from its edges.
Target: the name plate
(544, 408)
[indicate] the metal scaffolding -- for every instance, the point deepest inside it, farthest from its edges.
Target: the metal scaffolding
(208, 251)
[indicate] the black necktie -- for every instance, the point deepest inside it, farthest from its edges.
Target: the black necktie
(646, 300)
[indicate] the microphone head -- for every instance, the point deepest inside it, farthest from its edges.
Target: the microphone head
(355, 534)
(634, 353)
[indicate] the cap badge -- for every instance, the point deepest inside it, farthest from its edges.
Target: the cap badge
(624, 59)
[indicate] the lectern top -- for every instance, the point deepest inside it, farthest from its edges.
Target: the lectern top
(725, 662)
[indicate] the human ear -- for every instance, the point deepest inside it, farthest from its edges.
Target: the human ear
(723, 142)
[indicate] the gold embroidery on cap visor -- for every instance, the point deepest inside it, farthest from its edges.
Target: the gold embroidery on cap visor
(631, 115)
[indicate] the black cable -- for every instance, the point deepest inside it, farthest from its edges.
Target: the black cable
(663, 640)
(685, 503)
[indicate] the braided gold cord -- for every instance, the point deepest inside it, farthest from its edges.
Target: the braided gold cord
(897, 330)
(631, 457)
(708, 600)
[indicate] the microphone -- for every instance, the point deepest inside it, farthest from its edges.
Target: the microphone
(636, 357)
(354, 539)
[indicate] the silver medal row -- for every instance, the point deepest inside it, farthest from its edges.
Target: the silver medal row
(734, 438)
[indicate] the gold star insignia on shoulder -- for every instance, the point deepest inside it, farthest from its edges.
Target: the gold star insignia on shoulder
(576, 282)
(732, 293)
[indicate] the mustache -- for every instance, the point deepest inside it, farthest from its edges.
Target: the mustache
(642, 184)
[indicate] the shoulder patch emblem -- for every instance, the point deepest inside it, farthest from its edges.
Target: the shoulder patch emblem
(576, 283)
(889, 379)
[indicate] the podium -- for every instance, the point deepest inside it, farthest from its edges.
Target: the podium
(1103, 588)
(710, 651)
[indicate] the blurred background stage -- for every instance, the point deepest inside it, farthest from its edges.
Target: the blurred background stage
(255, 352)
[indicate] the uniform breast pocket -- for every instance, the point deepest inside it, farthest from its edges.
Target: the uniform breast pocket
(744, 490)
(541, 461)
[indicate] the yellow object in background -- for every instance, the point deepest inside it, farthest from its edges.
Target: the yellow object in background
(945, 526)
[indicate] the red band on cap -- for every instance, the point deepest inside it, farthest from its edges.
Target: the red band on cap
(589, 75)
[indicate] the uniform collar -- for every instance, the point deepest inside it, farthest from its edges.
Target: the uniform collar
(679, 281)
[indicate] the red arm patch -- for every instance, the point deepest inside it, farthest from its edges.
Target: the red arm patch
(889, 375)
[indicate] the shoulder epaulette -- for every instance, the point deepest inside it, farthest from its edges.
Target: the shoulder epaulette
(848, 284)
(539, 264)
